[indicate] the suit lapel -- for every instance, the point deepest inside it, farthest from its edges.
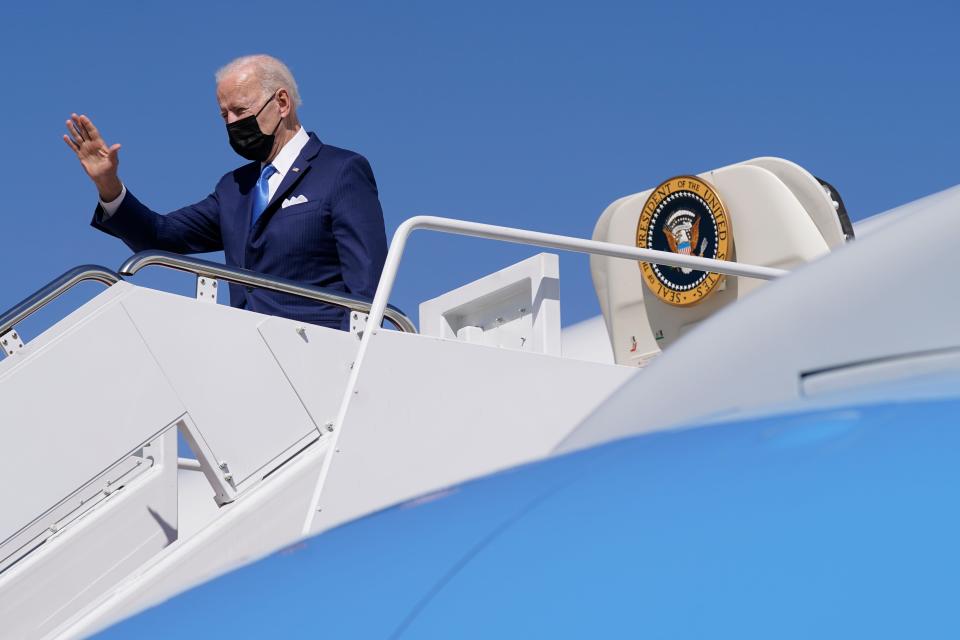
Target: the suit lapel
(297, 170)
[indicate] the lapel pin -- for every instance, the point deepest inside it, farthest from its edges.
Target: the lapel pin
(295, 169)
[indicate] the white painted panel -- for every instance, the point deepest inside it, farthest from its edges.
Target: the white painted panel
(807, 190)
(619, 284)
(770, 226)
(195, 505)
(588, 340)
(430, 412)
(514, 308)
(84, 560)
(74, 402)
(316, 361)
(261, 520)
(219, 365)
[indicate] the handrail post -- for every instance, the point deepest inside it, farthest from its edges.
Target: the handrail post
(10, 341)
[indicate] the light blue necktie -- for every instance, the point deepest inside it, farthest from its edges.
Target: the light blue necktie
(261, 194)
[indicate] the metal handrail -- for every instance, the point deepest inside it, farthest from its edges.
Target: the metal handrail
(549, 240)
(517, 236)
(236, 275)
(53, 290)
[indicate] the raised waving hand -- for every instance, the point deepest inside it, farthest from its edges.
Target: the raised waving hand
(97, 158)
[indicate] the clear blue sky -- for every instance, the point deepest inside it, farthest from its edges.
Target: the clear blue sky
(531, 115)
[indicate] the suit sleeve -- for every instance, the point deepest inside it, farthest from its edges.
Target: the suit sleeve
(358, 227)
(192, 229)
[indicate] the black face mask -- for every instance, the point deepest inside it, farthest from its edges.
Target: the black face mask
(247, 139)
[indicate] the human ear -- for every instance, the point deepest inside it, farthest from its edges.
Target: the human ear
(283, 101)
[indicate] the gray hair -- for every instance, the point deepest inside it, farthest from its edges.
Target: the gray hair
(272, 73)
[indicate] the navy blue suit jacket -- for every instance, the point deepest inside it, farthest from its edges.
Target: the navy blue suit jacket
(335, 239)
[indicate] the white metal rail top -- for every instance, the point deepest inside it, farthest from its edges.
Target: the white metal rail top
(517, 236)
(550, 241)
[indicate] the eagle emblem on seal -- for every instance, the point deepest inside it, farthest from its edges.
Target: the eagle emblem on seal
(683, 232)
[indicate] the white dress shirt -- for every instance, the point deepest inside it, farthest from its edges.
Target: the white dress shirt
(282, 163)
(284, 160)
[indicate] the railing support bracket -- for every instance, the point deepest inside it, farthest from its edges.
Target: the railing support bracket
(11, 341)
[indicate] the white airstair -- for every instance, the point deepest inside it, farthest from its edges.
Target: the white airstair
(101, 519)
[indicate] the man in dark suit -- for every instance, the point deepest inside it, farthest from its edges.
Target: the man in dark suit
(301, 210)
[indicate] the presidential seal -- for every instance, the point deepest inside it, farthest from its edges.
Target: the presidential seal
(683, 215)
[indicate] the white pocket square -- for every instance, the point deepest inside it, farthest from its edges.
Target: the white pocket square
(292, 201)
